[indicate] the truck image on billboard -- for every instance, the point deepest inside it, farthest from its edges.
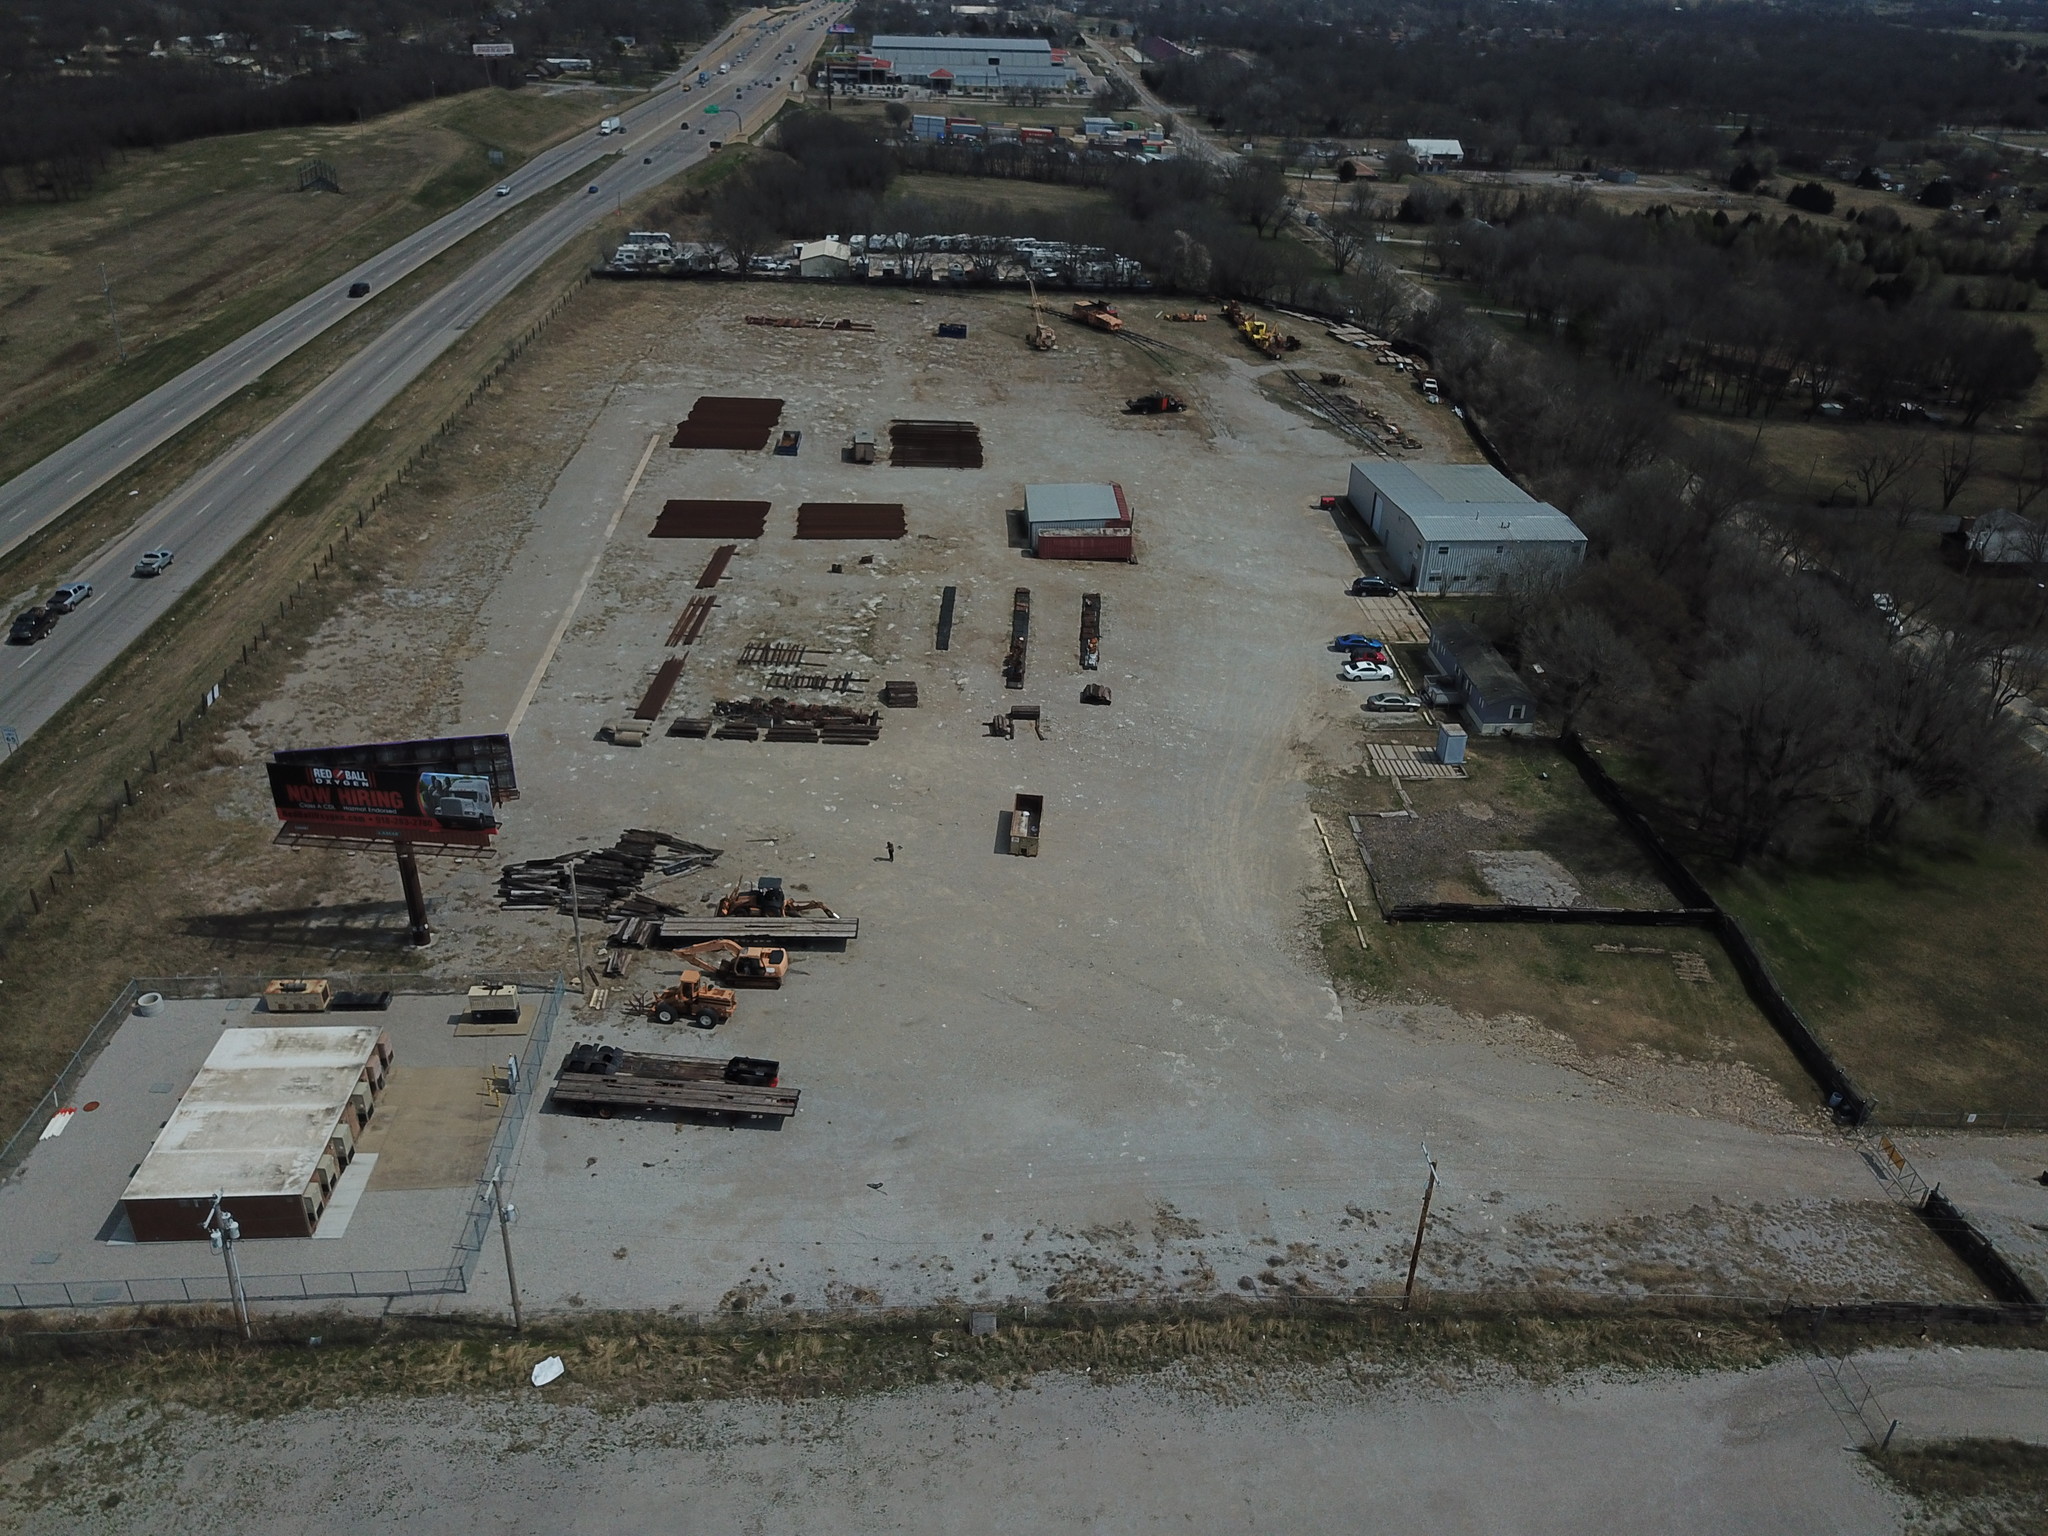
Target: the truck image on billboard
(382, 801)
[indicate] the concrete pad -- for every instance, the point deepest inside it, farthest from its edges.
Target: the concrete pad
(348, 1194)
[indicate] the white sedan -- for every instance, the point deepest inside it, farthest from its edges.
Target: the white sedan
(1366, 672)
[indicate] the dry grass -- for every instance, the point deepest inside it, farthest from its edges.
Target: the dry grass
(51, 1381)
(207, 239)
(1974, 1487)
(59, 971)
(1915, 965)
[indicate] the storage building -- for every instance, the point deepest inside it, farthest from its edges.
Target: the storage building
(1430, 153)
(268, 1124)
(1459, 527)
(824, 258)
(1079, 522)
(1490, 697)
(974, 63)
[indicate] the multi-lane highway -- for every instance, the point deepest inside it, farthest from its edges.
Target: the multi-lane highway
(205, 517)
(43, 492)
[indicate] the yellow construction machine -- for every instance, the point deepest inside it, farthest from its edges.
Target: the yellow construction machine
(1041, 338)
(1099, 313)
(738, 965)
(690, 997)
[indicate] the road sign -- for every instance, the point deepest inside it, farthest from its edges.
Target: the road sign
(491, 50)
(11, 736)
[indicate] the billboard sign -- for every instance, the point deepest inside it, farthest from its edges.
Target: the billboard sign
(491, 50)
(488, 757)
(841, 28)
(395, 803)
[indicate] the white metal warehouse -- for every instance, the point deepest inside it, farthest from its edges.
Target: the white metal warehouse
(974, 62)
(1459, 527)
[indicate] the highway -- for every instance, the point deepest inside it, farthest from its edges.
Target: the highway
(205, 517)
(46, 490)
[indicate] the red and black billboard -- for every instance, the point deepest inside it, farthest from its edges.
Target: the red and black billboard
(384, 802)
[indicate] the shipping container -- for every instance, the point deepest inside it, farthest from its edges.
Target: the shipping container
(1108, 543)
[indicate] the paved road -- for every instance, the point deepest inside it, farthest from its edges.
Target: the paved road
(204, 518)
(43, 492)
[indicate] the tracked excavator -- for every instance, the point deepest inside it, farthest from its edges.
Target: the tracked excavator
(738, 965)
(766, 898)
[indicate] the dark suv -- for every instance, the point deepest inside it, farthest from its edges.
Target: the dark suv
(31, 626)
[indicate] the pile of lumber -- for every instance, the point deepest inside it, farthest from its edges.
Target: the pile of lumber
(781, 719)
(606, 881)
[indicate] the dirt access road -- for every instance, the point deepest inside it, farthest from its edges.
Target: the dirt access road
(1736, 1452)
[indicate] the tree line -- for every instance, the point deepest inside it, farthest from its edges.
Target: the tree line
(81, 86)
(1584, 81)
(1741, 317)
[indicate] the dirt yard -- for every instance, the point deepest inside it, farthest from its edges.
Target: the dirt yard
(1119, 1070)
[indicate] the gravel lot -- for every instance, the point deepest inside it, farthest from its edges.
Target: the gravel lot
(1115, 1070)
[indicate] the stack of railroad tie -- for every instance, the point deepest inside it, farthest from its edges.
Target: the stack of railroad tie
(934, 445)
(606, 881)
(728, 421)
(781, 719)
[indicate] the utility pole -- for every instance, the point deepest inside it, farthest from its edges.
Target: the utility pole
(1415, 1254)
(576, 922)
(107, 291)
(223, 1231)
(506, 1216)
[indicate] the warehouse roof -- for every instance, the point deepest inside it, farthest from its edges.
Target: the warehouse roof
(258, 1115)
(1467, 502)
(980, 45)
(1090, 505)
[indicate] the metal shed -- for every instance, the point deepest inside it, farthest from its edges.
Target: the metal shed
(268, 1124)
(1457, 528)
(1079, 522)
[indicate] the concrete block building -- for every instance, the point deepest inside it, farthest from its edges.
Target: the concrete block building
(1458, 528)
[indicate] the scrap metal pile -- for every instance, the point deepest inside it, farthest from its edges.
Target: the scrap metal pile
(780, 719)
(606, 881)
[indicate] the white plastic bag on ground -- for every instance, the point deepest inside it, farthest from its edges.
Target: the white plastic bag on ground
(547, 1370)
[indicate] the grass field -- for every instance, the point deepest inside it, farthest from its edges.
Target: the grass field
(202, 241)
(1643, 994)
(1922, 967)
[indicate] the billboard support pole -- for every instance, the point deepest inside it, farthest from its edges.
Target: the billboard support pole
(415, 901)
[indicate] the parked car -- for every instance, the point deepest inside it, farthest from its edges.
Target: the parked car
(359, 290)
(1356, 643)
(69, 596)
(504, 189)
(1371, 586)
(1366, 672)
(154, 563)
(31, 626)
(1389, 703)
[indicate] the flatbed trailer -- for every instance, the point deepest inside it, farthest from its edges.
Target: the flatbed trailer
(604, 1077)
(676, 931)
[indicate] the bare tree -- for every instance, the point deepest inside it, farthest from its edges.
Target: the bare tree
(1876, 471)
(1349, 238)
(1956, 463)
(1580, 664)
(1761, 745)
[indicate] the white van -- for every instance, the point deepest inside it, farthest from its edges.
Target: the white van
(610, 125)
